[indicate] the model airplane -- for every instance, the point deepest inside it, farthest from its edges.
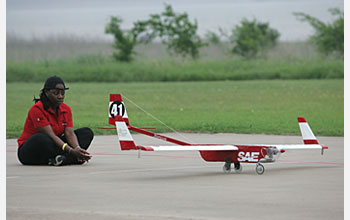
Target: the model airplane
(228, 153)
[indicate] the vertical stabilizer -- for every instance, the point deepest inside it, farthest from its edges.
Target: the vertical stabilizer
(306, 132)
(116, 107)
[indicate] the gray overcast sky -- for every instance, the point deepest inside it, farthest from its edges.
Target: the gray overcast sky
(40, 18)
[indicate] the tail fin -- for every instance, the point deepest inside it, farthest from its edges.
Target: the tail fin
(116, 107)
(306, 132)
(125, 138)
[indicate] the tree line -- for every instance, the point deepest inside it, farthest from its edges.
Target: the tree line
(248, 39)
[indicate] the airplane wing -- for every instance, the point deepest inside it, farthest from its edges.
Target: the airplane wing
(190, 148)
(227, 147)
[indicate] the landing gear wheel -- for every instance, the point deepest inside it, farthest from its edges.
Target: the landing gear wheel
(226, 169)
(238, 167)
(260, 169)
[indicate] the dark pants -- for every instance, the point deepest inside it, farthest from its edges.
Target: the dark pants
(39, 148)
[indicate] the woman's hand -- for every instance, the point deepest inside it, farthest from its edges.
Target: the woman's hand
(81, 154)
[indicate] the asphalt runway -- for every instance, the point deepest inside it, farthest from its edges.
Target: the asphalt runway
(179, 185)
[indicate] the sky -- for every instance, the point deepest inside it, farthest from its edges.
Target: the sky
(88, 18)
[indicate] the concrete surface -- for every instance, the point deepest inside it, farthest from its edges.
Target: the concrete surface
(179, 185)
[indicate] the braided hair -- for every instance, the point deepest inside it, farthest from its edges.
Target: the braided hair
(44, 99)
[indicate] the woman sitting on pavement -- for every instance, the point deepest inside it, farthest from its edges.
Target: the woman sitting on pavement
(48, 137)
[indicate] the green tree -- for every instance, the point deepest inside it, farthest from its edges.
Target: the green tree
(212, 37)
(329, 37)
(174, 29)
(251, 37)
(124, 41)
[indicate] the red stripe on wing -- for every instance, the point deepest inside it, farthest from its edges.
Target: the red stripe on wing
(310, 142)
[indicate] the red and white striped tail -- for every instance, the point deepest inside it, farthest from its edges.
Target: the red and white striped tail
(125, 138)
(116, 107)
(306, 132)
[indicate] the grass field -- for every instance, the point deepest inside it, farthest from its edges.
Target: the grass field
(269, 107)
(100, 69)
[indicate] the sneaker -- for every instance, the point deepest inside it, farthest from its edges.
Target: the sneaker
(57, 161)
